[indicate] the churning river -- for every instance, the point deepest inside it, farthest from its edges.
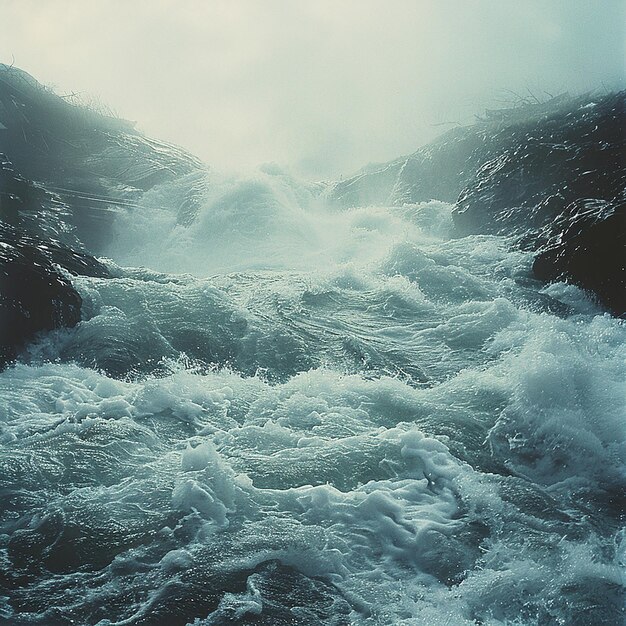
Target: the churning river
(283, 413)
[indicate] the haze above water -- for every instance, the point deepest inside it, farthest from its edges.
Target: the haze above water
(284, 413)
(321, 87)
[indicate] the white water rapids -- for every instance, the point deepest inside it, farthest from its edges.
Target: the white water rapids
(287, 414)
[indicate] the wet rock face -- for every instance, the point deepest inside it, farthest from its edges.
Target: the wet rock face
(34, 295)
(590, 249)
(91, 163)
(558, 184)
(541, 166)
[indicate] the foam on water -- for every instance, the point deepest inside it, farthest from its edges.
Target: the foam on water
(341, 418)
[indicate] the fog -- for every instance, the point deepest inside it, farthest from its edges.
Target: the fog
(322, 87)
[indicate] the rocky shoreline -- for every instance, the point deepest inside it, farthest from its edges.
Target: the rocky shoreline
(552, 176)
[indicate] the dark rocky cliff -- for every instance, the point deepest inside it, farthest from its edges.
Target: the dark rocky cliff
(552, 175)
(64, 172)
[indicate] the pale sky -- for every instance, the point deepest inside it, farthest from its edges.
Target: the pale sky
(322, 87)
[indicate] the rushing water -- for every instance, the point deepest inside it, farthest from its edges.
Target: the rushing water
(285, 414)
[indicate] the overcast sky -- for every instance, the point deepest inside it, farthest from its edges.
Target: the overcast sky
(320, 86)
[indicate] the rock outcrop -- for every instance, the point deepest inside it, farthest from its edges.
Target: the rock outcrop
(589, 247)
(551, 175)
(65, 171)
(35, 294)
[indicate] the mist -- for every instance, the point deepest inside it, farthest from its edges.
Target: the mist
(282, 389)
(322, 87)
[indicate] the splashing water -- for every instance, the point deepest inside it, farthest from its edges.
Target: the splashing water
(304, 416)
